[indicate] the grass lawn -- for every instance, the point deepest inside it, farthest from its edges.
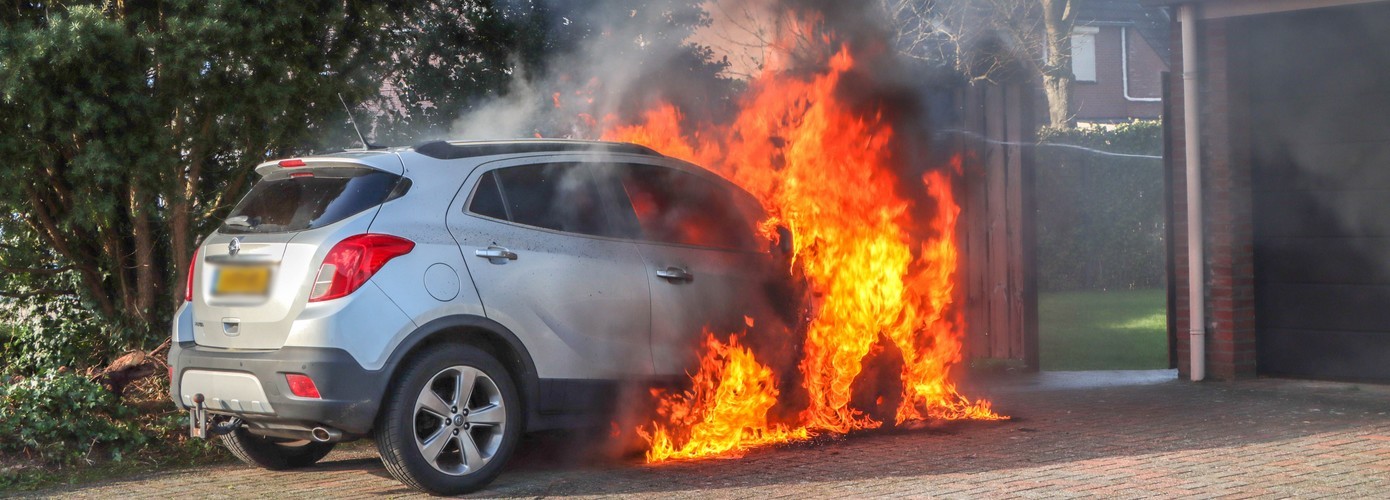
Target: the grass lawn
(1124, 330)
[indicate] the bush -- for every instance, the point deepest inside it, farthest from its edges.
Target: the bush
(63, 417)
(46, 342)
(44, 332)
(1100, 217)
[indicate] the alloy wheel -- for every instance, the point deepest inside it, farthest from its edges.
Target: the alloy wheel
(460, 419)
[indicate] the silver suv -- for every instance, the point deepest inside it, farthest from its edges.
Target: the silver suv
(444, 299)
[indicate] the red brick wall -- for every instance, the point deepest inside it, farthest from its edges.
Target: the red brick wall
(1229, 267)
(1104, 99)
(1145, 68)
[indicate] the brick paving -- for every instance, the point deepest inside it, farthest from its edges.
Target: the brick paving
(1125, 434)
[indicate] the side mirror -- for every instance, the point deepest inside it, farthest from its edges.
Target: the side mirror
(783, 245)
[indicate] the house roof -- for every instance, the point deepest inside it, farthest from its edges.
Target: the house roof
(1152, 22)
(1233, 8)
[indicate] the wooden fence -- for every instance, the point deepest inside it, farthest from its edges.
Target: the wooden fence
(997, 232)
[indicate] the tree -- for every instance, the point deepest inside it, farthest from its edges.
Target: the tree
(128, 127)
(1058, 18)
(490, 69)
(984, 39)
(448, 56)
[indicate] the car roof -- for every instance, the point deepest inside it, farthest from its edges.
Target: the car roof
(451, 150)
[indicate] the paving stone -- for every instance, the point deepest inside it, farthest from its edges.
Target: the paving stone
(1069, 440)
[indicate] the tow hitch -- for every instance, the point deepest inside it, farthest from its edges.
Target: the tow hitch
(200, 424)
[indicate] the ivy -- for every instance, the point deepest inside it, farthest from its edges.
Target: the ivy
(62, 417)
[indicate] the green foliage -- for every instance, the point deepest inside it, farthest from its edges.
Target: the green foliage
(162, 440)
(63, 418)
(448, 56)
(129, 127)
(1100, 221)
(48, 334)
(46, 324)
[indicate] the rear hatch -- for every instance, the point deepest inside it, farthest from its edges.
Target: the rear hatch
(253, 275)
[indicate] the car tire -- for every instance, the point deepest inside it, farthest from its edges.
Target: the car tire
(450, 421)
(273, 453)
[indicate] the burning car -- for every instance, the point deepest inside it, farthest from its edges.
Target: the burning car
(444, 299)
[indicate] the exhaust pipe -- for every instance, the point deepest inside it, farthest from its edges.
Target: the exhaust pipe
(326, 435)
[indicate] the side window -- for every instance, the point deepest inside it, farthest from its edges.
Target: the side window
(562, 197)
(487, 198)
(672, 206)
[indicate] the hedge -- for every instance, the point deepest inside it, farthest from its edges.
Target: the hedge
(1100, 216)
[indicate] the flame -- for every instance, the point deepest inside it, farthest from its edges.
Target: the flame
(725, 412)
(826, 172)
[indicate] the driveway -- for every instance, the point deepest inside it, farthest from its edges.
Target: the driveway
(1127, 434)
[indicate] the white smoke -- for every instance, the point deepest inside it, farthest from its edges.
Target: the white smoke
(621, 63)
(508, 116)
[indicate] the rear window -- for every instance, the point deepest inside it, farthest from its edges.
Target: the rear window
(291, 200)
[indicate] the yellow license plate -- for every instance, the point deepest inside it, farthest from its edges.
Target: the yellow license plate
(242, 280)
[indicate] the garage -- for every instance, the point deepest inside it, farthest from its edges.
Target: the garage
(1321, 151)
(1295, 165)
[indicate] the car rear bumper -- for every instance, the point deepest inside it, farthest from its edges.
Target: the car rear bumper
(350, 393)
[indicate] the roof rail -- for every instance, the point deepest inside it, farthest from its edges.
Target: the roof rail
(443, 150)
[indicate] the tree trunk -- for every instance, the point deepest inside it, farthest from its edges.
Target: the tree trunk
(42, 219)
(148, 282)
(1058, 17)
(182, 207)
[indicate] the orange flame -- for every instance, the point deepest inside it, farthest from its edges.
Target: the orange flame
(726, 410)
(826, 172)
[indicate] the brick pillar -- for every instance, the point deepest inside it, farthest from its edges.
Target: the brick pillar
(1228, 232)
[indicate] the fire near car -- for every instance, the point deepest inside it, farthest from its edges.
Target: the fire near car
(444, 299)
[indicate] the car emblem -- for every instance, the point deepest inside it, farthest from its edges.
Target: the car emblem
(234, 247)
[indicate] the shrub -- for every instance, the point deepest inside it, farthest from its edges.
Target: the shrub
(44, 332)
(63, 417)
(1100, 217)
(47, 343)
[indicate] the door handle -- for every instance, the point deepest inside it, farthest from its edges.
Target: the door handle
(674, 274)
(495, 252)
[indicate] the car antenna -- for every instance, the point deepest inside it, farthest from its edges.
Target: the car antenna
(365, 145)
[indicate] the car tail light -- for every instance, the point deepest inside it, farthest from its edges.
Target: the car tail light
(188, 286)
(292, 163)
(303, 386)
(353, 261)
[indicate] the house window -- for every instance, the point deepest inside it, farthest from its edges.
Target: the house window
(1083, 53)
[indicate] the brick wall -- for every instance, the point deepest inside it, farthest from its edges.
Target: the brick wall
(1229, 268)
(1104, 99)
(1146, 68)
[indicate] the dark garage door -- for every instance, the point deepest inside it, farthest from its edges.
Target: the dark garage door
(1320, 105)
